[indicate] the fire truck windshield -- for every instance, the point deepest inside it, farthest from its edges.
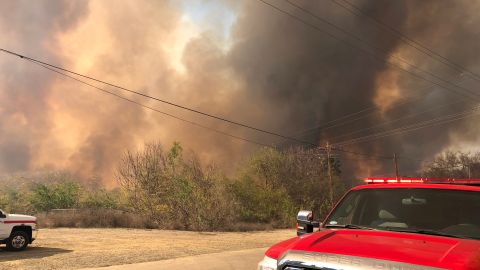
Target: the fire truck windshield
(442, 212)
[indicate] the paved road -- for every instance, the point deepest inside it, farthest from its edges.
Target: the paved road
(231, 260)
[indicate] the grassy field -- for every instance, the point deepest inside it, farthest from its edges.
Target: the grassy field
(81, 248)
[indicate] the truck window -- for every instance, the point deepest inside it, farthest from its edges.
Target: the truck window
(452, 212)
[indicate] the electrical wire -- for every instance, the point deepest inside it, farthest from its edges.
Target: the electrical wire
(396, 120)
(155, 110)
(396, 132)
(328, 125)
(33, 60)
(60, 72)
(372, 110)
(380, 49)
(428, 123)
(341, 149)
(56, 69)
(369, 52)
(406, 39)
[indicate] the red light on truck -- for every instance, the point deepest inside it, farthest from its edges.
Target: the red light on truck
(411, 180)
(391, 180)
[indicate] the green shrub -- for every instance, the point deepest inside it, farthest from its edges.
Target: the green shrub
(260, 204)
(56, 196)
(100, 199)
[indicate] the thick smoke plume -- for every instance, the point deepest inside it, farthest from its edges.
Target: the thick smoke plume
(265, 68)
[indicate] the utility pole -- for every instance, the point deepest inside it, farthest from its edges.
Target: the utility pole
(329, 172)
(395, 163)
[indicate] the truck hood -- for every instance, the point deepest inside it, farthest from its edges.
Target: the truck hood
(410, 248)
(17, 217)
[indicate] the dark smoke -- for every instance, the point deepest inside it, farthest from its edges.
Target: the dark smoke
(311, 78)
(308, 76)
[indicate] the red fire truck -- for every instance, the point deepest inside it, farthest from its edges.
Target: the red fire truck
(390, 224)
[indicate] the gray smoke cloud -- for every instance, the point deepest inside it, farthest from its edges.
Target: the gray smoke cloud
(313, 79)
(269, 70)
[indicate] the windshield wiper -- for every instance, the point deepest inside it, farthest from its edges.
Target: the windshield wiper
(348, 226)
(429, 232)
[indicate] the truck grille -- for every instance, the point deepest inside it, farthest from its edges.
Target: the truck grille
(306, 268)
(304, 260)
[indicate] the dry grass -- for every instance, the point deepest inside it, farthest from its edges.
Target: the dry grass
(81, 248)
(94, 218)
(110, 218)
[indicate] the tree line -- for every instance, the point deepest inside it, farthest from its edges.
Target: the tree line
(176, 191)
(167, 188)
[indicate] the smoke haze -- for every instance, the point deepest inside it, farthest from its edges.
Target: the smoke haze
(243, 60)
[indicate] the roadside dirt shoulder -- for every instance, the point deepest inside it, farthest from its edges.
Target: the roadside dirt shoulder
(82, 248)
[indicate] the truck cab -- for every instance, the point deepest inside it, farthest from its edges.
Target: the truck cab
(17, 231)
(389, 223)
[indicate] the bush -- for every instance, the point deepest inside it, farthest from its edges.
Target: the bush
(97, 218)
(16, 200)
(174, 191)
(57, 196)
(101, 199)
(291, 180)
(259, 204)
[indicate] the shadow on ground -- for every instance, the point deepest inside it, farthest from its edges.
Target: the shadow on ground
(30, 253)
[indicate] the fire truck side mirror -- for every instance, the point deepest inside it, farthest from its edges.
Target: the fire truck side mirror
(305, 223)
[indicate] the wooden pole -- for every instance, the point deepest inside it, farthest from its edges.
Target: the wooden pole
(329, 173)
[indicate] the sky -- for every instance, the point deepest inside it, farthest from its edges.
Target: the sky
(243, 60)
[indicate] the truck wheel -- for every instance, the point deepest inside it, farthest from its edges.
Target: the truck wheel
(18, 241)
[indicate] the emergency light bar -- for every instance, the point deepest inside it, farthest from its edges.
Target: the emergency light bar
(410, 180)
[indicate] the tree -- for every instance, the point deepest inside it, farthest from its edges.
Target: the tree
(454, 165)
(174, 191)
(282, 182)
(145, 177)
(56, 196)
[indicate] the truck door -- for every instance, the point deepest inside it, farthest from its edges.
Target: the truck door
(4, 231)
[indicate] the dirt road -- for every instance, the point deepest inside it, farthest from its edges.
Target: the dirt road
(84, 248)
(228, 260)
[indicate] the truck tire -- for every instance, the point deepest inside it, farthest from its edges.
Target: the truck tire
(18, 241)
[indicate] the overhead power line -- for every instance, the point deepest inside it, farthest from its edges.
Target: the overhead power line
(396, 120)
(370, 111)
(352, 8)
(33, 60)
(466, 92)
(65, 73)
(393, 64)
(341, 149)
(428, 123)
(323, 154)
(154, 109)
(59, 70)
(372, 156)
(333, 123)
